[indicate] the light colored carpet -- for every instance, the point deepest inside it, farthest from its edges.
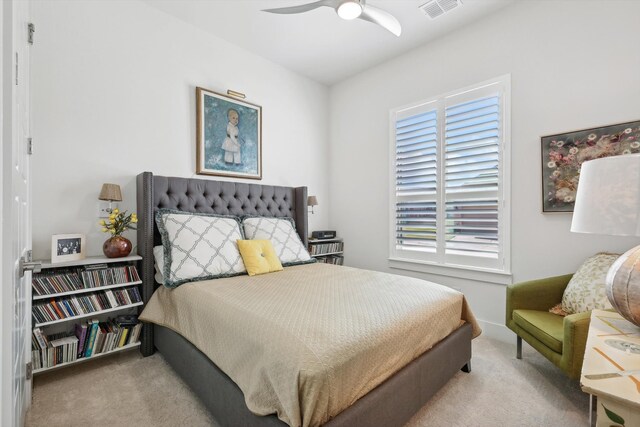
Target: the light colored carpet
(127, 390)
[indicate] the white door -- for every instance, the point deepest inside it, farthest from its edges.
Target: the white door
(16, 215)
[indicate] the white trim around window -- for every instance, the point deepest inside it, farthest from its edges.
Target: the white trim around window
(449, 164)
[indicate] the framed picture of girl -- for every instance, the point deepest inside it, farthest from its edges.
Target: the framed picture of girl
(229, 136)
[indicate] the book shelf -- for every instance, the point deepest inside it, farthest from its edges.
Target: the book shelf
(78, 308)
(329, 251)
(86, 359)
(92, 314)
(82, 291)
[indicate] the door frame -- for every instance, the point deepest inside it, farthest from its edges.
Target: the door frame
(6, 299)
(9, 17)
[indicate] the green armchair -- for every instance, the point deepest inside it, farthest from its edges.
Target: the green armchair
(562, 340)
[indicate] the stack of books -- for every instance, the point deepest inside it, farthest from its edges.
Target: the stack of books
(332, 259)
(99, 275)
(325, 248)
(61, 308)
(88, 339)
(92, 276)
(52, 350)
(44, 284)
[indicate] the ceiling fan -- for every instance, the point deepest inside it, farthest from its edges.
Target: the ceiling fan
(348, 9)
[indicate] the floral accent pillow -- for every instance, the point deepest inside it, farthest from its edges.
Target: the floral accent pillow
(586, 289)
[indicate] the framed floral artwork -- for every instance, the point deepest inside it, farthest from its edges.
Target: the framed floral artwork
(563, 155)
(229, 136)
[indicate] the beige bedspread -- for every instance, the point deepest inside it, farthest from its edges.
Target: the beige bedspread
(309, 341)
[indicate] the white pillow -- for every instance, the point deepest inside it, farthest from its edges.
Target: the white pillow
(199, 246)
(158, 256)
(586, 289)
(283, 237)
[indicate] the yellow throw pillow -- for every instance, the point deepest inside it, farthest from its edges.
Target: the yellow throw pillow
(259, 256)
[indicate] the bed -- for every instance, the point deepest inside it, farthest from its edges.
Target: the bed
(347, 400)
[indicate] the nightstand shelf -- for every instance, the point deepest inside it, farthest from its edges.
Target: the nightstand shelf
(83, 291)
(92, 293)
(89, 261)
(329, 251)
(92, 314)
(327, 254)
(86, 359)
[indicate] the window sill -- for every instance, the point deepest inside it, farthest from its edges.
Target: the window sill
(462, 272)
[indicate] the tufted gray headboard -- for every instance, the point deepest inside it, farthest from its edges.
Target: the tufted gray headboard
(206, 196)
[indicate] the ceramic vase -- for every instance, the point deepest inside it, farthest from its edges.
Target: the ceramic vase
(117, 247)
(623, 285)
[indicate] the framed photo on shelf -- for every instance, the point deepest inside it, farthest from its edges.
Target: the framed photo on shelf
(67, 247)
(564, 153)
(229, 136)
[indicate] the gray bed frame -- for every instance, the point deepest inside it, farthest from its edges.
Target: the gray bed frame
(390, 404)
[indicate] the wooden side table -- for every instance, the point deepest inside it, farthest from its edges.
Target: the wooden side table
(613, 347)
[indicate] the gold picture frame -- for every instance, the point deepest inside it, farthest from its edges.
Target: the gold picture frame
(229, 136)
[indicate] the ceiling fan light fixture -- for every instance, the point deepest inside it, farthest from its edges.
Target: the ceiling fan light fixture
(350, 9)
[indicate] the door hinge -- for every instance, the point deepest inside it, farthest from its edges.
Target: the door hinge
(29, 370)
(31, 29)
(29, 145)
(16, 68)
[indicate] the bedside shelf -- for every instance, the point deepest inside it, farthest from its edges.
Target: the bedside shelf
(329, 251)
(93, 313)
(327, 254)
(66, 281)
(90, 260)
(86, 290)
(86, 359)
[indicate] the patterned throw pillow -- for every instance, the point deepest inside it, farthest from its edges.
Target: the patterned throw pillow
(158, 256)
(199, 246)
(586, 289)
(283, 236)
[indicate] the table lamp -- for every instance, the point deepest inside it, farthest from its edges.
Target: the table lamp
(608, 202)
(110, 193)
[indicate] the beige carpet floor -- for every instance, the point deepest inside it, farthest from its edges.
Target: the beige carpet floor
(128, 390)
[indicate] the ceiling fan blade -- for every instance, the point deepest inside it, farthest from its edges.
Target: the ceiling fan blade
(382, 18)
(301, 8)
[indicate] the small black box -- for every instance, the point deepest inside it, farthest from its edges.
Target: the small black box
(323, 234)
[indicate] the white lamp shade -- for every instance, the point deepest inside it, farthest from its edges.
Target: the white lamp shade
(608, 197)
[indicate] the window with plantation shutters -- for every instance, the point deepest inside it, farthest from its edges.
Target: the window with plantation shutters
(450, 176)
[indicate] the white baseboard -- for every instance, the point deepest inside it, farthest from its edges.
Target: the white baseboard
(497, 331)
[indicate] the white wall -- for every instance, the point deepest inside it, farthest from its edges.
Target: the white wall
(114, 95)
(573, 66)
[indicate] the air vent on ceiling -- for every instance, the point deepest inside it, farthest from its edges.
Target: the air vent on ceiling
(435, 8)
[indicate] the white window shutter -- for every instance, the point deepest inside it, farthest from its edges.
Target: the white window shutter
(472, 161)
(449, 179)
(416, 153)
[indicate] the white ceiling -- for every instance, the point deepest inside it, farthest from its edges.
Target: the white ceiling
(319, 44)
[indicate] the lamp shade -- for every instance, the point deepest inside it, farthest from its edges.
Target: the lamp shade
(110, 192)
(608, 197)
(312, 201)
